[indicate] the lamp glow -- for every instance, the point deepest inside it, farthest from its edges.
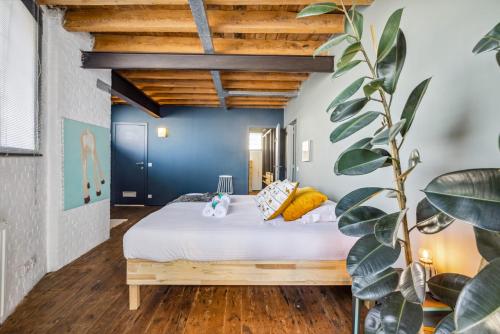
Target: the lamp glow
(162, 132)
(426, 257)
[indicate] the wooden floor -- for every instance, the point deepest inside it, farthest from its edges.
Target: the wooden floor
(90, 296)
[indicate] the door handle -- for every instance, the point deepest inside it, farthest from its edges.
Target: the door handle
(140, 163)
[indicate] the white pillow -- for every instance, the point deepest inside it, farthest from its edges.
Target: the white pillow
(322, 214)
(273, 199)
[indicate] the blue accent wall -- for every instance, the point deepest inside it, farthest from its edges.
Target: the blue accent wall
(203, 143)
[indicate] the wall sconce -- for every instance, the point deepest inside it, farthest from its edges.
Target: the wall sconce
(162, 132)
(425, 258)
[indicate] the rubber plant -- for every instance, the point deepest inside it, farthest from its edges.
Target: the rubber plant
(471, 196)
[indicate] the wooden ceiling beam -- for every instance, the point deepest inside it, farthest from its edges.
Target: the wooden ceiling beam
(186, 102)
(159, 44)
(178, 90)
(185, 2)
(195, 90)
(148, 84)
(262, 85)
(205, 75)
(212, 62)
(167, 96)
(221, 21)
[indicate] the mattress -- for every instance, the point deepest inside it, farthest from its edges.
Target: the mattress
(178, 231)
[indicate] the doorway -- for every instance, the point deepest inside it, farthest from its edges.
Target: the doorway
(266, 157)
(129, 172)
(255, 159)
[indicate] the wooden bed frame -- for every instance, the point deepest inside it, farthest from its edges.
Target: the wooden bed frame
(142, 272)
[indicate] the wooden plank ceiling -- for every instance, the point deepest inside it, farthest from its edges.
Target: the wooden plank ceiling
(250, 27)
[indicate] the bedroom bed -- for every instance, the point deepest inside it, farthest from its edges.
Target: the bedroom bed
(176, 245)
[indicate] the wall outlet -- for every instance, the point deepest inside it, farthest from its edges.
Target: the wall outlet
(150, 196)
(150, 164)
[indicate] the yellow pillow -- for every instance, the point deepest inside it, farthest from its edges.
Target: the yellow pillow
(275, 198)
(301, 191)
(304, 202)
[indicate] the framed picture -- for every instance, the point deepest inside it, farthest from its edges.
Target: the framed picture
(306, 150)
(86, 163)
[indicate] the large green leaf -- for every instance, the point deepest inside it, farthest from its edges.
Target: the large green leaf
(389, 34)
(357, 20)
(390, 67)
(412, 104)
(317, 9)
(373, 321)
(385, 153)
(400, 316)
(362, 143)
(478, 307)
(368, 256)
(356, 198)
(345, 68)
(348, 109)
(346, 93)
(412, 283)
(376, 286)
(359, 162)
(352, 126)
(488, 243)
(446, 325)
(388, 134)
(387, 227)
(491, 41)
(430, 220)
(336, 40)
(372, 87)
(349, 53)
(446, 287)
(360, 221)
(470, 195)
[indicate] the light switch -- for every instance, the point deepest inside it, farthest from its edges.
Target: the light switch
(150, 164)
(150, 196)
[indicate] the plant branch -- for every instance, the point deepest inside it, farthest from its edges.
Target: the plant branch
(396, 164)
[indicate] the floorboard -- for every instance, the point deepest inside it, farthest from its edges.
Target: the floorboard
(89, 295)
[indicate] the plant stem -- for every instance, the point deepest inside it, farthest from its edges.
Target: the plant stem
(396, 164)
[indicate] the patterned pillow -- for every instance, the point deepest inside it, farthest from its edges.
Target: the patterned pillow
(274, 199)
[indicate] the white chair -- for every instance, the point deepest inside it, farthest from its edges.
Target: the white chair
(225, 184)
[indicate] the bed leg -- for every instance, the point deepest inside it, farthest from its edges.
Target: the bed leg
(134, 296)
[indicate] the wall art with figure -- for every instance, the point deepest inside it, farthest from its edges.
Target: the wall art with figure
(86, 163)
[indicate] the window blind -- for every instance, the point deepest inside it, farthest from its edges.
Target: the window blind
(18, 78)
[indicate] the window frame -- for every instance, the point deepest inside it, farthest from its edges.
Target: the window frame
(6, 151)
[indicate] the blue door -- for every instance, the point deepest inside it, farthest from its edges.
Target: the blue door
(128, 181)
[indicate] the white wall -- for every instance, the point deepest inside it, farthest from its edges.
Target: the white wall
(456, 127)
(70, 92)
(40, 236)
(22, 200)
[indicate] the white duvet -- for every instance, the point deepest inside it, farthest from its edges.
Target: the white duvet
(179, 231)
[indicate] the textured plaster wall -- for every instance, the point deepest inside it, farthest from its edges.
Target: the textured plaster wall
(22, 193)
(456, 127)
(70, 92)
(40, 236)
